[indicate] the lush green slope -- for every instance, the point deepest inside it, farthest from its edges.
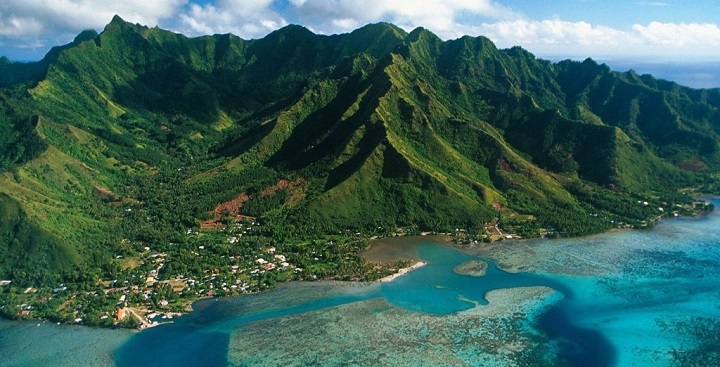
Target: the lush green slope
(130, 136)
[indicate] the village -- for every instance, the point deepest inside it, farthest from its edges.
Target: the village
(153, 286)
(149, 291)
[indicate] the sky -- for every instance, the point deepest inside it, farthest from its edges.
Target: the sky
(638, 34)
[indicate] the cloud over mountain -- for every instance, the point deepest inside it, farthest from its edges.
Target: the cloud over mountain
(443, 16)
(40, 18)
(575, 39)
(245, 18)
(29, 27)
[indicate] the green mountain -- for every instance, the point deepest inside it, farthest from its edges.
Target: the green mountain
(131, 136)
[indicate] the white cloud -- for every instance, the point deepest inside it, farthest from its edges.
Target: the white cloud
(683, 34)
(552, 31)
(36, 17)
(30, 27)
(652, 3)
(245, 18)
(451, 19)
(40, 24)
(17, 25)
(441, 16)
(556, 37)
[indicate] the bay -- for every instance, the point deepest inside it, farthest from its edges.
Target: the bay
(642, 298)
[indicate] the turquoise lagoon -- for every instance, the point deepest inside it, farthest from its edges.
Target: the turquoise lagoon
(629, 298)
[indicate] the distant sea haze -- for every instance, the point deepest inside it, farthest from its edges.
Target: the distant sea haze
(691, 74)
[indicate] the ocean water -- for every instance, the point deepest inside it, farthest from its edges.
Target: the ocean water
(39, 343)
(427, 316)
(690, 74)
(653, 295)
(629, 298)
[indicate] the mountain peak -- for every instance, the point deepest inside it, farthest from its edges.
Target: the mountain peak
(424, 35)
(292, 29)
(118, 23)
(418, 32)
(116, 19)
(86, 35)
(381, 27)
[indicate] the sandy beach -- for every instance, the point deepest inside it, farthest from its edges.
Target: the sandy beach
(401, 272)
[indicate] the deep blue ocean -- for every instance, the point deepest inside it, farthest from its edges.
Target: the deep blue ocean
(628, 298)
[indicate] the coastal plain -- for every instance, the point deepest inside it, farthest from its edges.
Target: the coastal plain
(567, 302)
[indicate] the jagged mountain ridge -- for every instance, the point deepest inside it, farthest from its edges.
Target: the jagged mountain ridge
(382, 127)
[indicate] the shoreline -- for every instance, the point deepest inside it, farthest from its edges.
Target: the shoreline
(147, 324)
(143, 316)
(386, 243)
(401, 272)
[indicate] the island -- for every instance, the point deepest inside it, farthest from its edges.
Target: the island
(142, 170)
(473, 268)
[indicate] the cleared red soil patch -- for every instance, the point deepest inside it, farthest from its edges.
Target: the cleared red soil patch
(693, 164)
(232, 207)
(282, 184)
